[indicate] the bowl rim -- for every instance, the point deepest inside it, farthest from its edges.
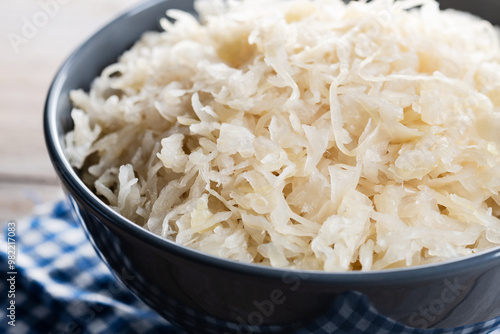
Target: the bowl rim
(82, 194)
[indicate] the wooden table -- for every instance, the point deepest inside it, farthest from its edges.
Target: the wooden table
(36, 37)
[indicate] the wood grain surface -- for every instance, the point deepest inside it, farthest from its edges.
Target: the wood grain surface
(36, 37)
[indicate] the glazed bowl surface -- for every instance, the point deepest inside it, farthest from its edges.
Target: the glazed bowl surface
(205, 294)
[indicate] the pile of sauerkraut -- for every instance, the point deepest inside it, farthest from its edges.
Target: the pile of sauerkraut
(303, 134)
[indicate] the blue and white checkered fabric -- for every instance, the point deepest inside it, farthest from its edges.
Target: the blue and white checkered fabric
(62, 286)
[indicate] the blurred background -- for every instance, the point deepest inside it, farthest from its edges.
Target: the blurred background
(36, 36)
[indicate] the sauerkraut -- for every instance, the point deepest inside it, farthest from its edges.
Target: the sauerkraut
(302, 134)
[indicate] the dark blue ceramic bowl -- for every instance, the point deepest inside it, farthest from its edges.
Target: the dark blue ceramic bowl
(205, 294)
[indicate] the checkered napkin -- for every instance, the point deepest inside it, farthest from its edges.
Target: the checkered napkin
(62, 286)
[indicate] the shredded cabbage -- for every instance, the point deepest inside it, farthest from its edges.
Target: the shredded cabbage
(303, 134)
